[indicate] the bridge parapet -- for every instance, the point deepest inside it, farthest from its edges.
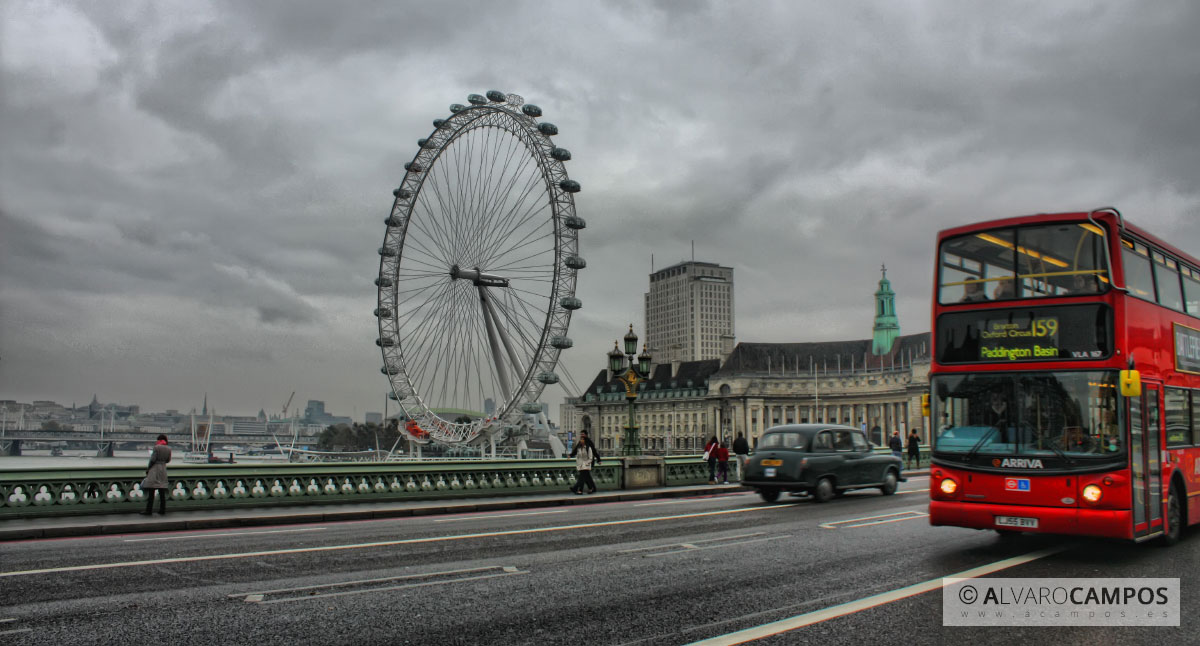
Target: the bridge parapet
(26, 493)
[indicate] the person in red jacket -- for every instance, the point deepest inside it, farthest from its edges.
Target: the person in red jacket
(723, 462)
(710, 456)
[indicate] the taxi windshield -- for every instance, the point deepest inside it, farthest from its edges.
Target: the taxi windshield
(1065, 414)
(1026, 262)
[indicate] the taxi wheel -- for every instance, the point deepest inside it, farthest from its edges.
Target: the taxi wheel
(889, 483)
(1174, 518)
(769, 494)
(824, 491)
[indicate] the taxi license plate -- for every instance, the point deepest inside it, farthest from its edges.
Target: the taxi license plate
(769, 472)
(1016, 521)
(772, 463)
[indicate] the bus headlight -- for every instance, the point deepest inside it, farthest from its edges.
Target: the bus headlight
(949, 486)
(1092, 493)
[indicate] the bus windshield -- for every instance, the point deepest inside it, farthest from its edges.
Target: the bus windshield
(1065, 414)
(1023, 262)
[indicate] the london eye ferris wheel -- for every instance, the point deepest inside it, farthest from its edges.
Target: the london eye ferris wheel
(477, 271)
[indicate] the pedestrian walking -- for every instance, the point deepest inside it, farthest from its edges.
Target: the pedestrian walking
(723, 462)
(156, 477)
(896, 445)
(914, 449)
(741, 449)
(586, 456)
(710, 456)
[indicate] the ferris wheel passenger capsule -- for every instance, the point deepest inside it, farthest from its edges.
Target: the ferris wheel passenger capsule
(531, 110)
(383, 312)
(561, 342)
(385, 342)
(413, 167)
(455, 108)
(387, 252)
(383, 281)
(575, 262)
(570, 186)
(548, 129)
(402, 193)
(571, 303)
(477, 99)
(394, 221)
(439, 123)
(547, 377)
(496, 96)
(575, 222)
(561, 154)
(531, 408)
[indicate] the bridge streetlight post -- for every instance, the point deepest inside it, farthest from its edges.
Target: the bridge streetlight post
(630, 369)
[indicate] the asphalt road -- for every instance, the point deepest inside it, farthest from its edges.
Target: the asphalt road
(640, 572)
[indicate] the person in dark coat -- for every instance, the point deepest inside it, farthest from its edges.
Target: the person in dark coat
(914, 449)
(896, 445)
(741, 449)
(156, 477)
(586, 456)
(710, 454)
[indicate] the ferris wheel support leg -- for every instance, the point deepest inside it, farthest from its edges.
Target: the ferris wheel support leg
(517, 366)
(488, 315)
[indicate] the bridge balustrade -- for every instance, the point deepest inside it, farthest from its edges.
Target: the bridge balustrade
(28, 493)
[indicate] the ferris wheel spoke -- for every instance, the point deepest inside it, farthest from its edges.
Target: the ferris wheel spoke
(507, 223)
(500, 244)
(535, 254)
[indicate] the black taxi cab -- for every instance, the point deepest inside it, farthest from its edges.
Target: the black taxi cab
(822, 460)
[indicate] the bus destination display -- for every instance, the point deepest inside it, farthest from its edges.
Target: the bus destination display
(1036, 338)
(1055, 333)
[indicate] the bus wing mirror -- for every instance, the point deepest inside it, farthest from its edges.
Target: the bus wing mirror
(1131, 383)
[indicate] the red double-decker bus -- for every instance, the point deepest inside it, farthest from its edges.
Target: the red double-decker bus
(1065, 385)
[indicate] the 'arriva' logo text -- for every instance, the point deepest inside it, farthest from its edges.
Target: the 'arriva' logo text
(1021, 463)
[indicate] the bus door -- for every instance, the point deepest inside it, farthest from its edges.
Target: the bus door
(1145, 455)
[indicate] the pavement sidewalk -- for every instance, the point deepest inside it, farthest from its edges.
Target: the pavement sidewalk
(193, 519)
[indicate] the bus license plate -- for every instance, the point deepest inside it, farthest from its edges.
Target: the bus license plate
(769, 472)
(1015, 521)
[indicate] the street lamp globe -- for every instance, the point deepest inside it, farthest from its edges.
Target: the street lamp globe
(631, 340)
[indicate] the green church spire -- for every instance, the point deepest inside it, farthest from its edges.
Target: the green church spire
(887, 326)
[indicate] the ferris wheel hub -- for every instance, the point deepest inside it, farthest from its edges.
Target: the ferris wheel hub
(478, 278)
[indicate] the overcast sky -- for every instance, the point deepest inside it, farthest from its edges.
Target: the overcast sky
(192, 193)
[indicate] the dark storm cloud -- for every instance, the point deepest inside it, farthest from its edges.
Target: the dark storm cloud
(203, 184)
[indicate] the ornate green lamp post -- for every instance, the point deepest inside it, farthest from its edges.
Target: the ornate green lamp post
(630, 370)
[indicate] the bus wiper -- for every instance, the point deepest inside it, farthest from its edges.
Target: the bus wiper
(1061, 454)
(979, 445)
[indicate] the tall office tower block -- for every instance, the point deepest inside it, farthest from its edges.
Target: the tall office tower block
(689, 312)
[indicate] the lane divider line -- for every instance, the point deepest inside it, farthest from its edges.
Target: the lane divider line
(692, 548)
(478, 516)
(404, 541)
(401, 582)
(874, 520)
(368, 581)
(720, 539)
(176, 538)
(851, 607)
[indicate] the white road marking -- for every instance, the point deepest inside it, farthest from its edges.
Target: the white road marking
(851, 607)
(874, 520)
(15, 631)
(912, 491)
(528, 513)
(259, 597)
(694, 499)
(8, 620)
(176, 538)
(692, 548)
(720, 539)
(405, 541)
